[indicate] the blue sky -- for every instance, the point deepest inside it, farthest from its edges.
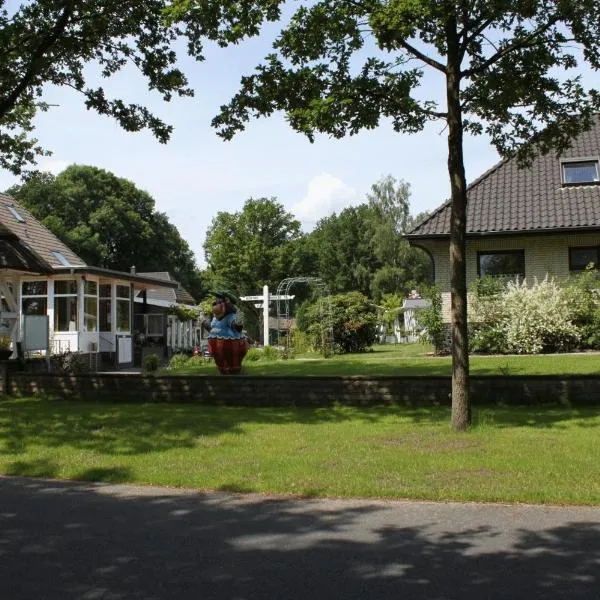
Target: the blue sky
(196, 174)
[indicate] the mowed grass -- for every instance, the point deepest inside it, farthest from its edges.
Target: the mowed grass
(411, 359)
(538, 455)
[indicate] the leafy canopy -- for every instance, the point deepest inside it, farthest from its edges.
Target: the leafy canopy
(338, 67)
(109, 222)
(66, 43)
(256, 246)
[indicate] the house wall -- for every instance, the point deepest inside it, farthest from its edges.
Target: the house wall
(544, 255)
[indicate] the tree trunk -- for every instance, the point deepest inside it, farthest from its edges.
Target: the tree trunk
(461, 414)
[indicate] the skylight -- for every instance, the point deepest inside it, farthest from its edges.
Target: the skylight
(60, 257)
(15, 213)
(580, 172)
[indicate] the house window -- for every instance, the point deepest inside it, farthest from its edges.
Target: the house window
(123, 308)
(90, 306)
(104, 307)
(581, 257)
(580, 172)
(60, 257)
(16, 214)
(502, 263)
(34, 297)
(65, 305)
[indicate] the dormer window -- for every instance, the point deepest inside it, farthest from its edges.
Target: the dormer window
(580, 172)
(16, 214)
(60, 257)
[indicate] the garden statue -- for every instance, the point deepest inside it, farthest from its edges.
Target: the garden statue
(226, 341)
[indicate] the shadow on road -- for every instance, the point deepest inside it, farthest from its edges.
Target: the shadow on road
(61, 540)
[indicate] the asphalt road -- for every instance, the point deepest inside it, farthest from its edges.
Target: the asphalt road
(61, 540)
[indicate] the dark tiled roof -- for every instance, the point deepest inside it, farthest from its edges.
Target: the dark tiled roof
(507, 199)
(32, 234)
(175, 296)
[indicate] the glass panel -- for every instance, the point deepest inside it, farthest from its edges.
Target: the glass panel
(65, 313)
(60, 257)
(105, 290)
(122, 291)
(91, 288)
(35, 288)
(580, 258)
(35, 306)
(104, 315)
(155, 325)
(123, 322)
(580, 172)
(90, 314)
(68, 286)
(502, 263)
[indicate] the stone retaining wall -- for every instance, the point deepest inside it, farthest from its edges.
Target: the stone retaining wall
(303, 391)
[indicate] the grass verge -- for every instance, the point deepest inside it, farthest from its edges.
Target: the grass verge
(519, 454)
(408, 359)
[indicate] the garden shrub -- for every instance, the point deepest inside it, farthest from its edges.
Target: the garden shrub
(178, 361)
(487, 323)
(523, 319)
(151, 363)
(266, 354)
(430, 318)
(584, 298)
(353, 323)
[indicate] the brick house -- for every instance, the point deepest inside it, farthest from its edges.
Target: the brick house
(53, 302)
(532, 222)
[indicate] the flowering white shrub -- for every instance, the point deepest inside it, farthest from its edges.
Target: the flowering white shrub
(525, 319)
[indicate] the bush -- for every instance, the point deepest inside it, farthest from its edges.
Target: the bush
(178, 361)
(151, 363)
(351, 319)
(266, 354)
(430, 319)
(523, 319)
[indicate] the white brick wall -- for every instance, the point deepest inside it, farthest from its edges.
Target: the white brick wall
(547, 254)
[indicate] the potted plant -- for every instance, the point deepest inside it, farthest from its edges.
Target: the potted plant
(5, 346)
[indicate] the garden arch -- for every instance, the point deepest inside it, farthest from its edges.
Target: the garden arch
(284, 314)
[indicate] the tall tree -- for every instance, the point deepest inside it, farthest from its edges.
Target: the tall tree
(253, 247)
(109, 222)
(403, 267)
(340, 66)
(52, 41)
(342, 244)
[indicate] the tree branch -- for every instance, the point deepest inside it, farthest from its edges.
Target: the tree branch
(426, 59)
(524, 43)
(8, 103)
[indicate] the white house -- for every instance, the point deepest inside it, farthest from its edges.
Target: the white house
(53, 302)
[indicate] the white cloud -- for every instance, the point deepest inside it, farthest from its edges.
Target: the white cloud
(52, 165)
(326, 194)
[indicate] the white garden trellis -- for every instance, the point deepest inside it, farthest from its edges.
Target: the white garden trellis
(284, 313)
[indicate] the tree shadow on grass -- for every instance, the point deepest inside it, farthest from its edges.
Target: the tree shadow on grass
(125, 430)
(66, 540)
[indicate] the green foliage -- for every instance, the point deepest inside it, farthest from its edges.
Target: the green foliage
(526, 319)
(184, 313)
(253, 247)
(430, 318)
(177, 361)
(109, 222)
(584, 299)
(151, 363)
(353, 323)
(71, 44)
(264, 354)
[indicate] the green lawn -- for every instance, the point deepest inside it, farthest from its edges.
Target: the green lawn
(548, 455)
(413, 359)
